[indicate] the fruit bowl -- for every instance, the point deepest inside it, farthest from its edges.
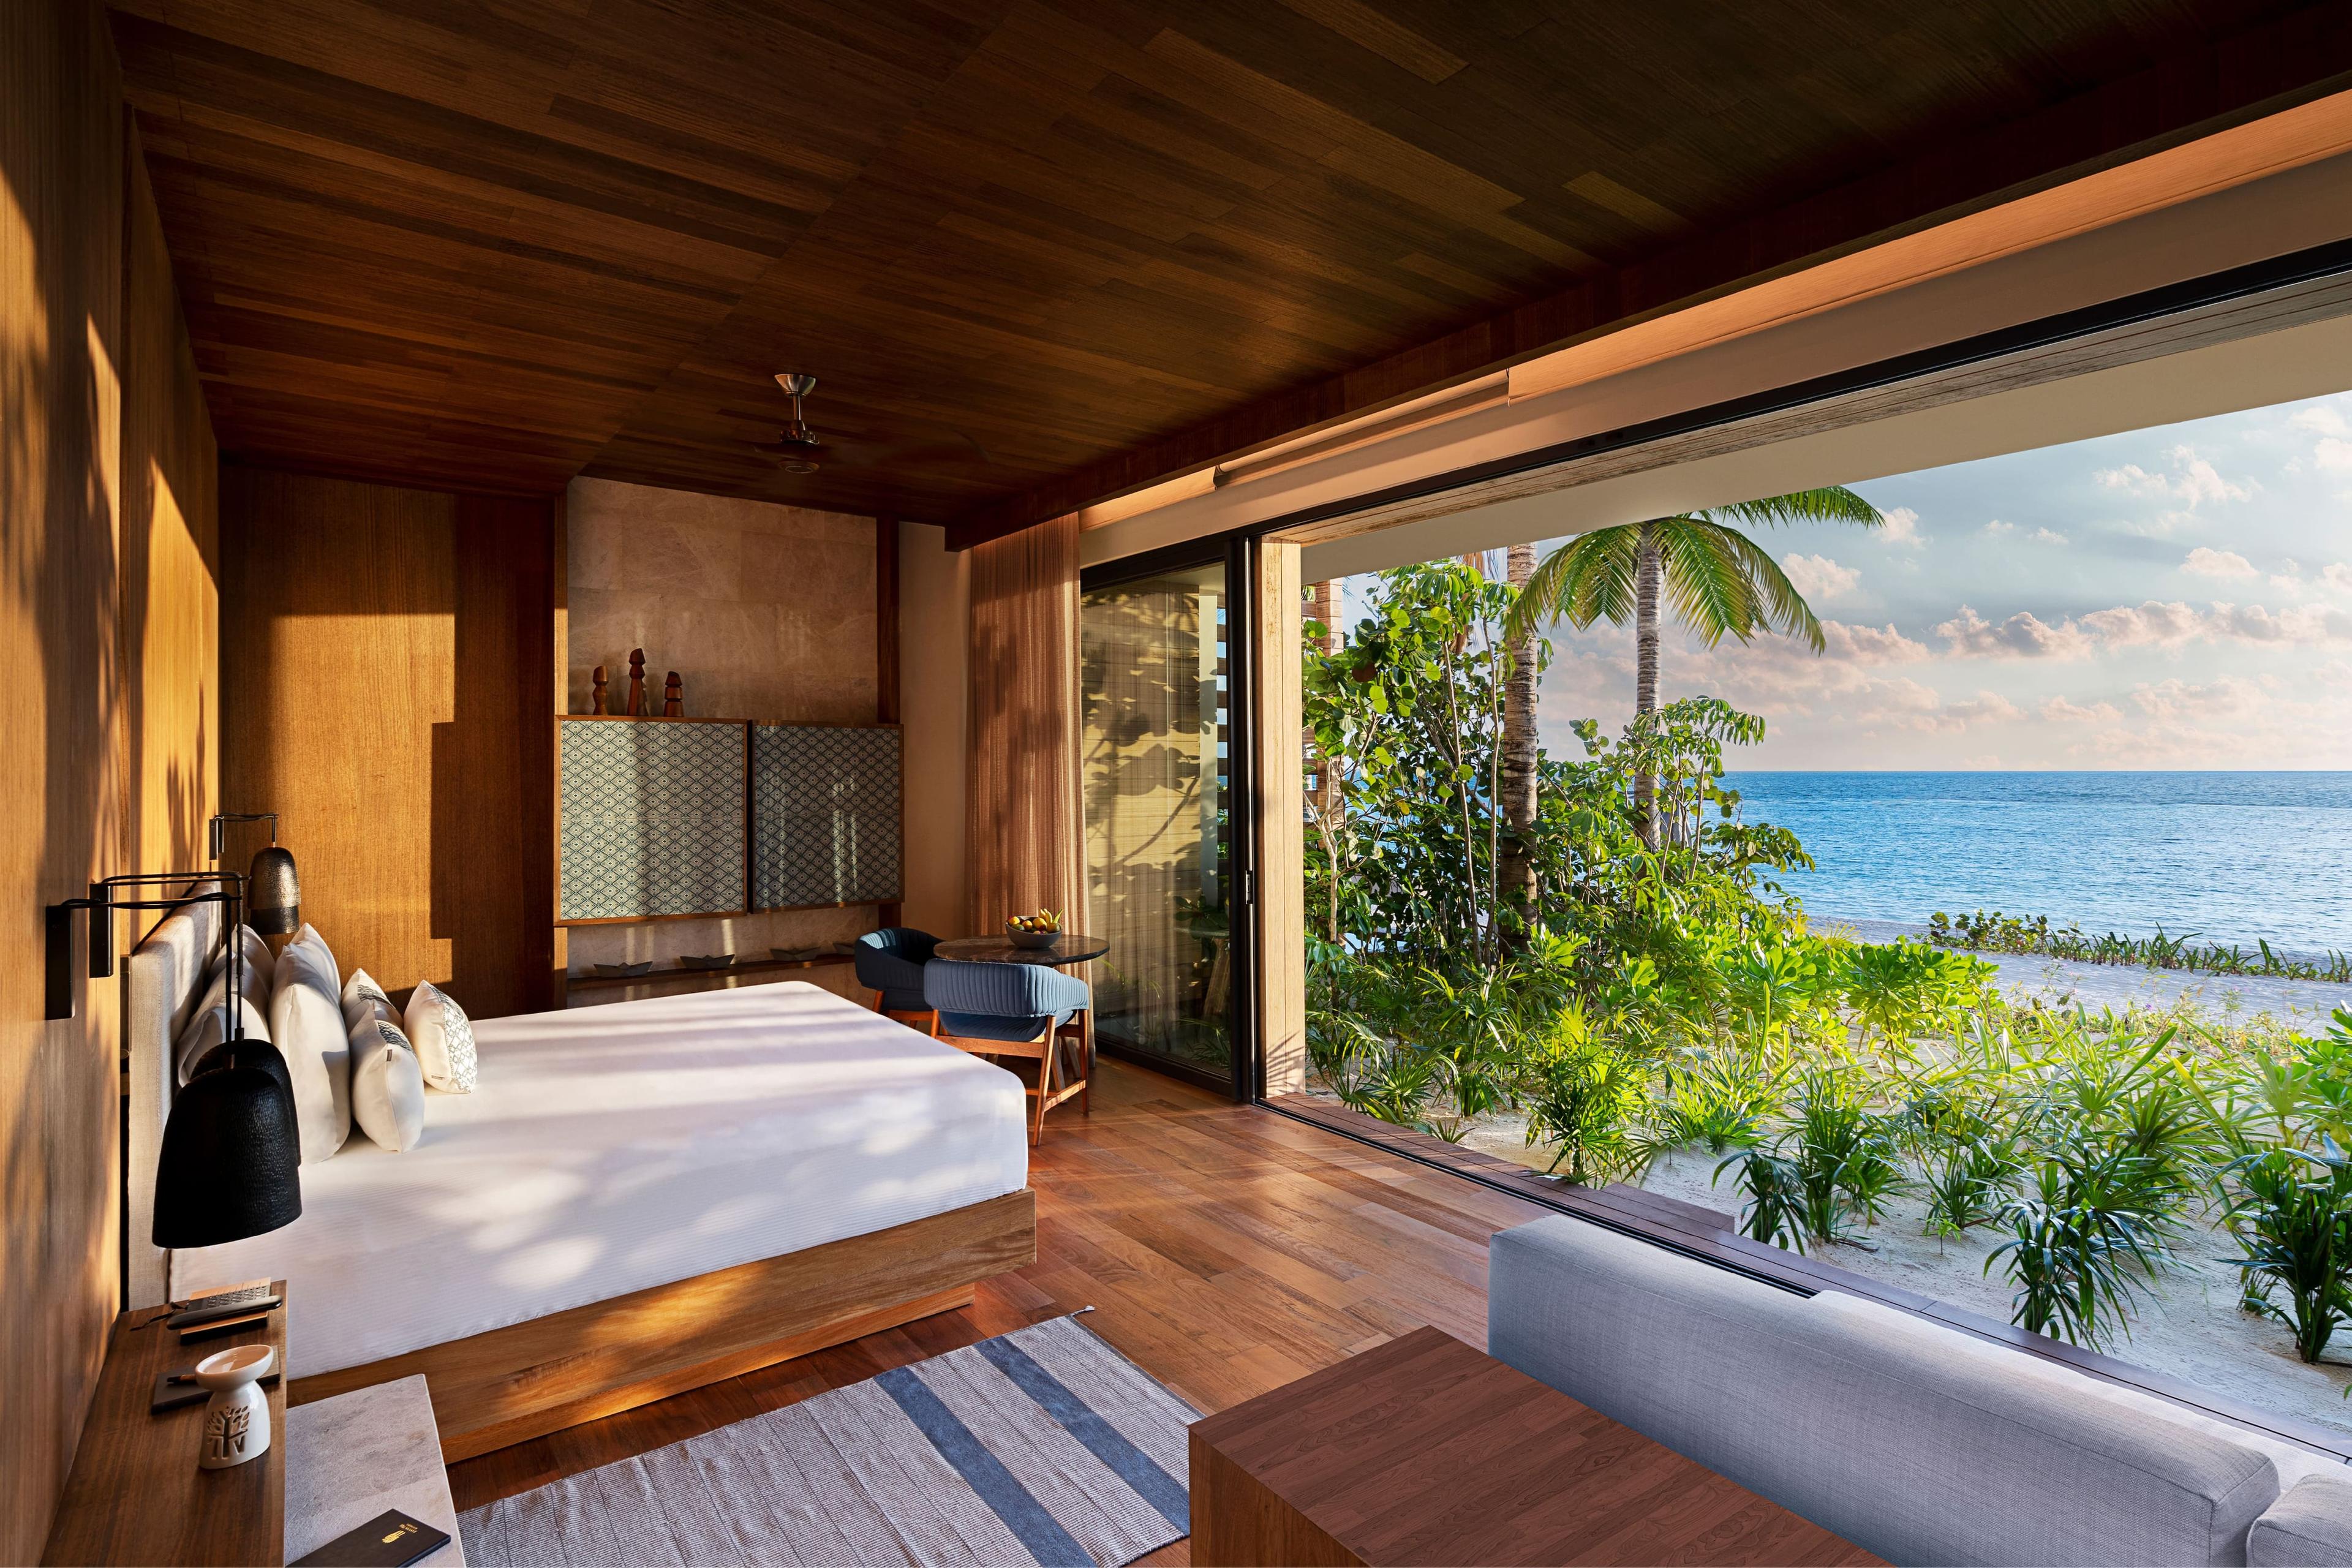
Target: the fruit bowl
(1036, 941)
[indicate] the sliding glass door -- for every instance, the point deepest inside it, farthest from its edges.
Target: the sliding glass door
(1159, 775)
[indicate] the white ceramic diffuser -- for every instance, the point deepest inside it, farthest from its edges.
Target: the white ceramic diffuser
(236, 1417)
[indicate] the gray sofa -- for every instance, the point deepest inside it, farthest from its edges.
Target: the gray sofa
(1917, 1442)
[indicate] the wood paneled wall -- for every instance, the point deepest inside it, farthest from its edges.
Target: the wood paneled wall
(169, 629)
(389, 695)
(106, 607)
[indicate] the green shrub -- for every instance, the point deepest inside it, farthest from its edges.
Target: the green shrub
(2293, 1209)
(2087, 1236)
(1774, 1210)
(1969, 1180)
(1584, 1094)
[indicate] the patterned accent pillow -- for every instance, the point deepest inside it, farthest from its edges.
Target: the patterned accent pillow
(387, 1089)
(362, 997)
(444, 1040)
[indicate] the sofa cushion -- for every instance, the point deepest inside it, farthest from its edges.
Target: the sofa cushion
(1916, 1442)
(2310, 1526)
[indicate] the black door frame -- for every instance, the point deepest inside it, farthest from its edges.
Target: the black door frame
(1235, 552)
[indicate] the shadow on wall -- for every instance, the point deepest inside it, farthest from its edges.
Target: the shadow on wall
(392, 684)
(59, 410)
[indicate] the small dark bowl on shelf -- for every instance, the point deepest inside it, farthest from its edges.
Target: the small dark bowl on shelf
(801, 954)
(620, 971)
(1036, 941)
(706, 961)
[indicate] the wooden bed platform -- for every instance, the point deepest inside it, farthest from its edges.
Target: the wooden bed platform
(531, 1378)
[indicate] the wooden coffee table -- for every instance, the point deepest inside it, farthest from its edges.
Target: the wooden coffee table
(1426, 1451)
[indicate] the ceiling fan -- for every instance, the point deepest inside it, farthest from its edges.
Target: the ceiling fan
(797, 450)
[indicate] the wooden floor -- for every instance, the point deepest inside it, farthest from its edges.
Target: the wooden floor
(1224, 1248)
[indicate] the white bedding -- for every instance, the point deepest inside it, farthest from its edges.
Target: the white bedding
(609, 1149)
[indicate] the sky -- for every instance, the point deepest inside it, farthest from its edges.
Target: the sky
(2174, 597)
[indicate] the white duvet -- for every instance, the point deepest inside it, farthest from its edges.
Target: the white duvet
(609, 1149)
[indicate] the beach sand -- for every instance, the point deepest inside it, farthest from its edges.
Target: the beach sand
(2301, 1004)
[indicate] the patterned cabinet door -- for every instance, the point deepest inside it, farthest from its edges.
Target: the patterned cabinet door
(824, 816)
(652, 819)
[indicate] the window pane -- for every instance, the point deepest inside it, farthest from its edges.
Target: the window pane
(1158, 838)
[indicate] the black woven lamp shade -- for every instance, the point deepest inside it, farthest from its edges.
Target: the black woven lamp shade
(232, 1156)
(273, 898)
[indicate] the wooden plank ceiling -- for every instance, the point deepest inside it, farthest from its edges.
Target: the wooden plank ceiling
(1041, 250)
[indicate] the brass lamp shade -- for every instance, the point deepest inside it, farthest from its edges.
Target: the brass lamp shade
(273, 896)
(231, 1161)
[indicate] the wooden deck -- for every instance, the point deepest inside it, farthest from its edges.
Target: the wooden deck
(1226, 1250)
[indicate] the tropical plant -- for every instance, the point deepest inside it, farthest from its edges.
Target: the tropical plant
(1774, 1209)
(1584, 1094)
(1968, 1181)
(2087, 1238)
(2293, 1209)
(1720, 1098)
(1720, 582)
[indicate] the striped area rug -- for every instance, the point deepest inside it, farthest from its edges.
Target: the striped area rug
(1043, 1445)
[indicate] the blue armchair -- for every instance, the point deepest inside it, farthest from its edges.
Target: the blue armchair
(1024, 1010)
(889, 963)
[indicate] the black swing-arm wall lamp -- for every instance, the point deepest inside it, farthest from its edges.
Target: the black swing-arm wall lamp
(230, 1162)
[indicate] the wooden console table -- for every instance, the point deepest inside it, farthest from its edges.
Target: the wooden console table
(1426, 1451)
(135, 1495)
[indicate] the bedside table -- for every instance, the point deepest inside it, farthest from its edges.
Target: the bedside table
(135, 1495)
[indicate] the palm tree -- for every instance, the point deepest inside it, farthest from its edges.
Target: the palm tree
(1721, 583)
(1515, 877)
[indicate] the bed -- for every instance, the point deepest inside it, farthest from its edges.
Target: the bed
(639, 1199)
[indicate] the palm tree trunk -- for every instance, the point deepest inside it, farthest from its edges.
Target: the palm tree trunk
(1649, 569)
(1516, 882)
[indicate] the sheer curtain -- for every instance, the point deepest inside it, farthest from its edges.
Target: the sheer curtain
(1023, 821)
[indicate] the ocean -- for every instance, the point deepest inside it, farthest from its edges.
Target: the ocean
(2232, 857)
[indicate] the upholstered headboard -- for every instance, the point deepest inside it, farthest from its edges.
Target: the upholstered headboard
(161, 981)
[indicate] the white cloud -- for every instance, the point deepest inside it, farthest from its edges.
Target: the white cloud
(2192, 482)
(1869, 645)
(2156, 624)
(2333, 452)
(1998, 528)
(2023, 636)
(2048, 536)
(2059, 711)
(2336, 575)
(2210, 563)
(1903, 527)
(2323, 419)
(1818, 578)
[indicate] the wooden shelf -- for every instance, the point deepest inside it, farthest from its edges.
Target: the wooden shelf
(656, 976)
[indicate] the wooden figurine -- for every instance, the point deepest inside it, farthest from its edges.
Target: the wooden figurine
(598, 703)
(673, 698)
(636, 683)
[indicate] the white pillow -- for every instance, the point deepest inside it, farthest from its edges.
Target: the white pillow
(387, 1088)
(362, 994)
(308, 1029)
(208, 1026)
(261, 977)
(444, 1038)
(308, 964)
(322, 959)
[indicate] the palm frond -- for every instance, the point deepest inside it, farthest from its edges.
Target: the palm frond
(1831, 503)
(1588, 579)
(1774, 600)
(1706, 580)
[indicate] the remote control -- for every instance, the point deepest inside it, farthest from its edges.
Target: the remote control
(223, 1304)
